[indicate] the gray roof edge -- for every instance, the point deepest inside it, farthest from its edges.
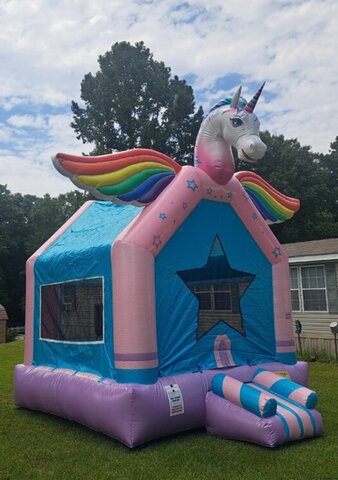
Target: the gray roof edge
(329, 257)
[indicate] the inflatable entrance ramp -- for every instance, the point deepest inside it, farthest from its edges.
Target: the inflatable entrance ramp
(269, 411)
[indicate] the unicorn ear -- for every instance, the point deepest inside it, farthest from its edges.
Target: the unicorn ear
(235, 98)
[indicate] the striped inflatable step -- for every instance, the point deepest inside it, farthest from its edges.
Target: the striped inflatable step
(253, 412)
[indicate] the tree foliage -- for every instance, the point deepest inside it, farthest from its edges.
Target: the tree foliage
(26, 222)
(133, 101)
(330, 163)
(295, 171)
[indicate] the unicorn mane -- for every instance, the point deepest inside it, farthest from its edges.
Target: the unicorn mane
(227, 101)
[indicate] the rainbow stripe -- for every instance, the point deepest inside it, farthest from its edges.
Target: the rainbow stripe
(135, 176)
(273, 205)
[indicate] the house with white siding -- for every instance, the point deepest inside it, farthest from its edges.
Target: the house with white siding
(314, 291)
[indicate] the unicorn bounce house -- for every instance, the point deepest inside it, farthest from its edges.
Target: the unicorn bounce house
(165, 305)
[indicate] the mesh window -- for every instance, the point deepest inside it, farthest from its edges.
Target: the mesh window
(218, 288)
(204, 300)
(72, 311)
(222, 297)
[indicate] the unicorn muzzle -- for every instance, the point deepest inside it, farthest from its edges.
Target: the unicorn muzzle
(251, 148)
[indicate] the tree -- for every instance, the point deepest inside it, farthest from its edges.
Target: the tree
(295, 171)
(133, 101)
(26, 222)
(48, 214)
(14, 213)
(330, 164)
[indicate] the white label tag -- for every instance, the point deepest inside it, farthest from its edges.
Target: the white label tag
(175, 399)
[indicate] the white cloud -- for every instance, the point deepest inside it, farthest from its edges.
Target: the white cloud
(47, 48)
(8, 103)
(29, 169)
(5, 133)
(32, 121)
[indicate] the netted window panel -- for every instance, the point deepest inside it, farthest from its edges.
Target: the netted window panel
(73, 311)
(218, 288)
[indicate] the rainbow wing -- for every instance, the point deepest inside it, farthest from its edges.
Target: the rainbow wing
(273, 205)
(135, 176)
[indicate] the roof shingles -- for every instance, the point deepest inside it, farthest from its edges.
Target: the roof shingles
(313, 247)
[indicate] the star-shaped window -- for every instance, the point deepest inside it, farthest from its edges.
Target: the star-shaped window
(218, 288)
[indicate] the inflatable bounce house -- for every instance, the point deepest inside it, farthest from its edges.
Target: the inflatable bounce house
(143, 322)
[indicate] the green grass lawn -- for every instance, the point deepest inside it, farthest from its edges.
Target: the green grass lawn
(34, 445)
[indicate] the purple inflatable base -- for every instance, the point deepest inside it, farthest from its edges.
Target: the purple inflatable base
(131, 413)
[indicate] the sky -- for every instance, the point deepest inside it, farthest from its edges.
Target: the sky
(46, 48)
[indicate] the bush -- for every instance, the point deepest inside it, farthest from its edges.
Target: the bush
(11, 334)
(316, 356)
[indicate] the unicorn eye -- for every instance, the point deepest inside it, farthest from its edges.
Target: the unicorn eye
(236, 122)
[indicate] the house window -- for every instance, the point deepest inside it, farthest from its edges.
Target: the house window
(214, 297)
(308, 289)
(73, 311)
(295, 296)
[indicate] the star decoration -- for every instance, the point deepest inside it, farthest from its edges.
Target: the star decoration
(163, 216)
(192, 185)
(157, 240)
(230, 194)
(218, 288)
(209, 190)
(277, 252)
(197, 162)
(254, 216)
(184, 205)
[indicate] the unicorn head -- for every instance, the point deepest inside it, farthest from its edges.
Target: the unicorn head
(230, 123)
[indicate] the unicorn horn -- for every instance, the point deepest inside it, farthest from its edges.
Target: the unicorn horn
(235, 98)
(250, 106)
